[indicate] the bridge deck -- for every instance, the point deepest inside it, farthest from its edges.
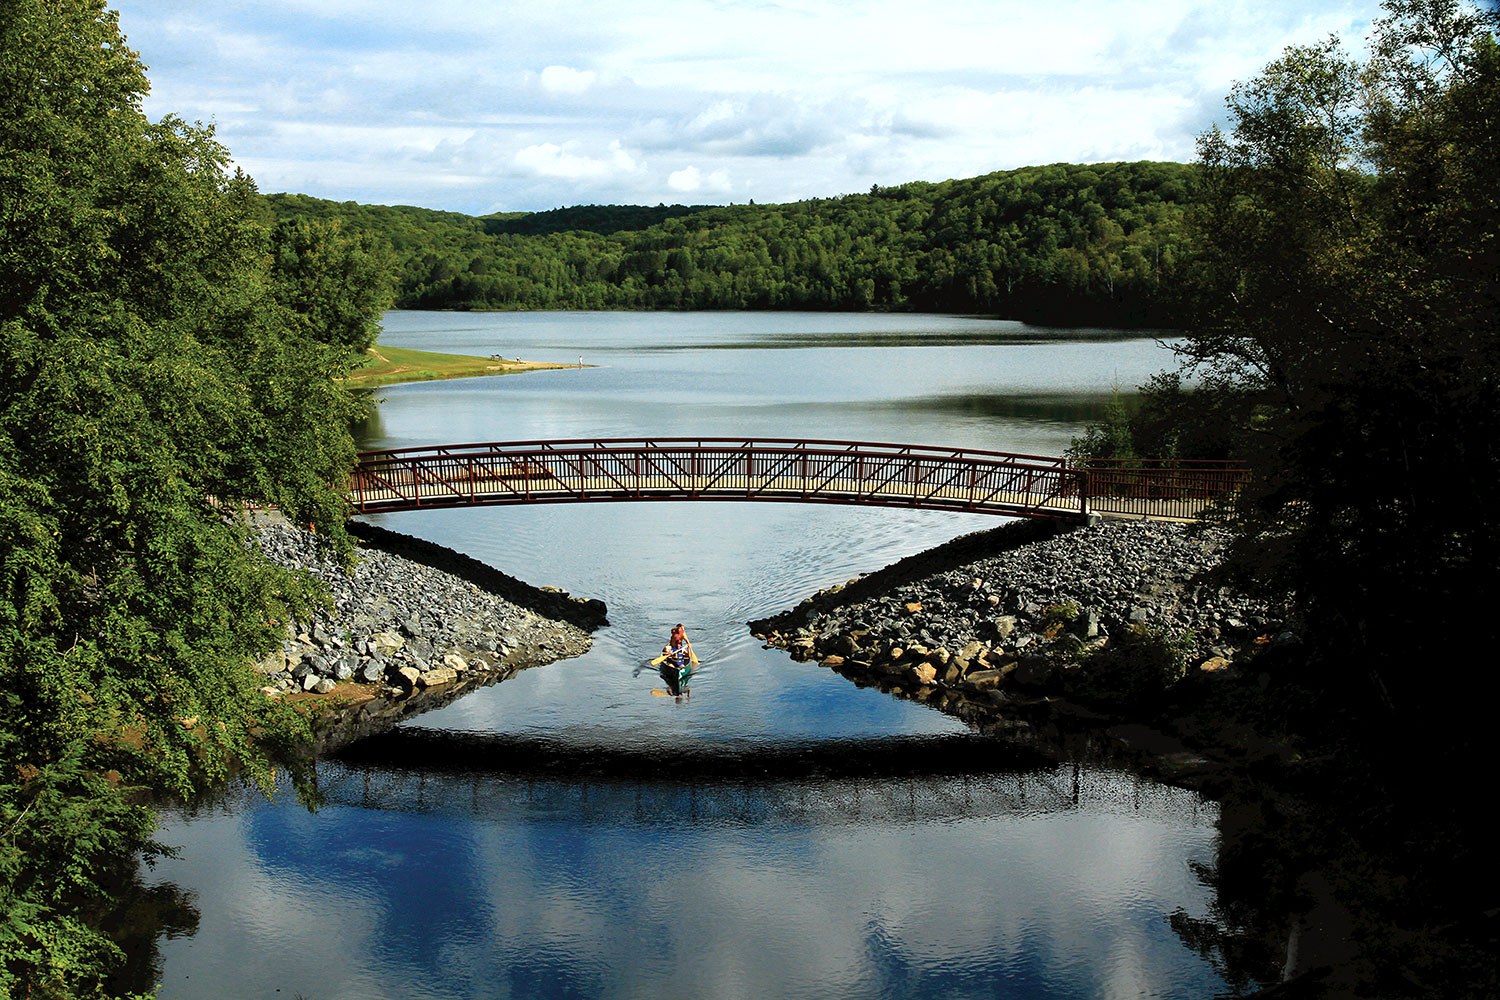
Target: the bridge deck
(840, 472)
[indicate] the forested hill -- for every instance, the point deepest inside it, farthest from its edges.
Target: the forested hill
(1062, 243)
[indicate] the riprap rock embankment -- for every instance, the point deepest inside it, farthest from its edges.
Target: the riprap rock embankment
(1034, 619)
(412, 626)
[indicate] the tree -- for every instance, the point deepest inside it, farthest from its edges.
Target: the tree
(156, 373)
(1349, 238)
(336, 283)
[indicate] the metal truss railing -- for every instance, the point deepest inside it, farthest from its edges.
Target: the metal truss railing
(816, 471)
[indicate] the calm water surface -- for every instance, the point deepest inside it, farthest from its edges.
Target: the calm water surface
(949, 866)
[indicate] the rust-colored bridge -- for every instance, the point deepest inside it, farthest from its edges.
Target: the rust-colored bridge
(786, 471)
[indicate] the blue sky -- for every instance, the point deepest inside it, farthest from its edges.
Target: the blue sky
(486, 106)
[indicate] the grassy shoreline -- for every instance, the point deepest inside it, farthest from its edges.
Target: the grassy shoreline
(393, 365)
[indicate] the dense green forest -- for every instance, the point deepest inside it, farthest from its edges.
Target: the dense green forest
(1103, 243)
(169, 353)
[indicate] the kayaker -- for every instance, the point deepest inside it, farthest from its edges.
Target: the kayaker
(678, 651)
(678, 659)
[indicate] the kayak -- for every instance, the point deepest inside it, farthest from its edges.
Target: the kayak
(675, 676)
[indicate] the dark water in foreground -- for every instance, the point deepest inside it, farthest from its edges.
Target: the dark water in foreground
(571, 833)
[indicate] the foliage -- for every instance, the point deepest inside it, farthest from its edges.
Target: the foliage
(163, 364)
(1062, 243)
(602, 219)
(1061, 613)
(1346, 343)
(1113, 436)
(335, 284)
(1137, 667)
(1168, 419)
(1350, 235)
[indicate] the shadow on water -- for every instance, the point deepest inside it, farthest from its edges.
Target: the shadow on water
(1067, 408)
(141, 916)
(433, 751)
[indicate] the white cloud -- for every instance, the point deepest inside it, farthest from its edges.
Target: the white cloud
(690, 180)
(566, 80)
(550, 160)
(534, 106)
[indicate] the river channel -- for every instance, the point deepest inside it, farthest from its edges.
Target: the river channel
(498, 862)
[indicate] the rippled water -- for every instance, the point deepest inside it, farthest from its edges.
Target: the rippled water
(573, 833)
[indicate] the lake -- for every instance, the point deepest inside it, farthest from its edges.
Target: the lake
(499, 861)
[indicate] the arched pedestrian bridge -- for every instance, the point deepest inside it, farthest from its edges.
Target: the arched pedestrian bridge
(784, 471)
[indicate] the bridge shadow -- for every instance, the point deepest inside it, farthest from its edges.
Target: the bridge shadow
(899, 779)
(587, 614)
(434, 751)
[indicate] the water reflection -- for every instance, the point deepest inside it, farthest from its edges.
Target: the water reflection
(781, 832)
(1052, 881)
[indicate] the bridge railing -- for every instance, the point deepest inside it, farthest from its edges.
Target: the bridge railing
(714, 468)
(817, 471)
(1167, 488)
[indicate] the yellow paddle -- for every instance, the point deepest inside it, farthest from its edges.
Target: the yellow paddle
(693, 657)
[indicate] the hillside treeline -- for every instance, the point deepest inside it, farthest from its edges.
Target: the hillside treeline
(1061, 243)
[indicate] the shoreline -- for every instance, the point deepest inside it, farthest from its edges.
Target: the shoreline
(402, 365)
(413, 626)
(1064, 639)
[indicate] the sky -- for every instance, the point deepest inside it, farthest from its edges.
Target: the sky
(480, 106)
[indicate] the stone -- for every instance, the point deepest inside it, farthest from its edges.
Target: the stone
(406, 679)
(276, 663)
(323, 686)
(373, 672)
(993, 600)
(1138, 615)
(1086, 625)
(971, 650)
(386, 643)
(1214, 664)
(923, 674)
(979, 679)
(344, 669)
(1005, 625)
(913, 607)
(455, 663)
(897, 652)
(437, 676)
(833, 661)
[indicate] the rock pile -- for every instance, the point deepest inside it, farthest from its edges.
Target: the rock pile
(401, 626)
(1019, 610)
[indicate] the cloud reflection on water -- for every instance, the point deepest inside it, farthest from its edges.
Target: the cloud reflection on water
(521, 898)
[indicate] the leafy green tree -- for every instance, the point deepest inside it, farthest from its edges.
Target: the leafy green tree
(335, 282)
(1349, 231)
(157, 372)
